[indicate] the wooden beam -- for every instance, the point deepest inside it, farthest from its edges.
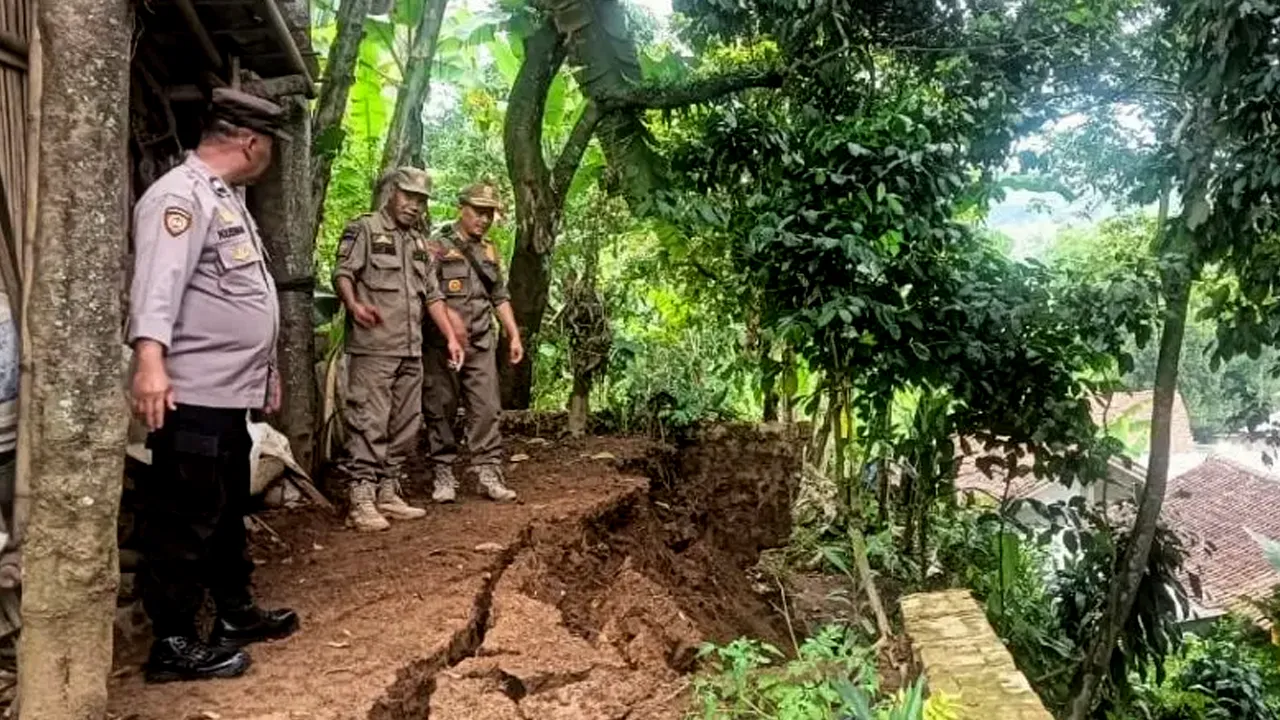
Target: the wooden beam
(14, 44)
(274, 87)
(202, 36)
(285, 37)
(18, 62)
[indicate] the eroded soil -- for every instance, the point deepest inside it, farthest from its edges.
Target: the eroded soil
(587, 600)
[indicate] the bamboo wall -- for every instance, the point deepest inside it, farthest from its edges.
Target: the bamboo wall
(15, 33)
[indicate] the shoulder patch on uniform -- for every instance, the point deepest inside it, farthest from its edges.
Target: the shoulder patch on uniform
(176, 220)
(348, 239)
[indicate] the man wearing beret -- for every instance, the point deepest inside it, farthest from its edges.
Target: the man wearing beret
(203, 323)
(385, 278)
(470, 276)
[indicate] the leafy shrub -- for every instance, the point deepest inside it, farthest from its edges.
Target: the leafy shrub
(1231, 673)
(833, 676)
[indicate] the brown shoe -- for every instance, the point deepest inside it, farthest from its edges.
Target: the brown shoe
(491, 485)
(391, 505)
(364, 516)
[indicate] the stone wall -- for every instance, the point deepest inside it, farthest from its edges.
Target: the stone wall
(962, 657)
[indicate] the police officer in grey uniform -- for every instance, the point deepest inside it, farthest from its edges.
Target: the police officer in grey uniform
(203, 325)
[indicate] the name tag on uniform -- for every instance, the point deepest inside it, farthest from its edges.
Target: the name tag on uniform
(230, 232)
(383, 245)
(420, 255)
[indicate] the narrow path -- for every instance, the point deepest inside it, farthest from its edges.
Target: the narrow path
(380, 613)
(586, 601)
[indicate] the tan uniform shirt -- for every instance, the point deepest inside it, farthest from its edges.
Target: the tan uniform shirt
(202, 289)
(390, 270)
(464, 289)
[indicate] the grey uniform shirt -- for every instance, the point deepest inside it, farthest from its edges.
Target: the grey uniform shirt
(202, 289)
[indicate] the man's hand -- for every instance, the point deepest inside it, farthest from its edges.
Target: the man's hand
(151, 390)
(517, 349)
(367, 315)
(456, 353)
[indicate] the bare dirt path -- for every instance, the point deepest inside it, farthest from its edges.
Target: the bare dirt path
(587, 600)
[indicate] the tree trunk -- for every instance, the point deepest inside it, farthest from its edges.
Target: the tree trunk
(580, 406)
(279, 203)
(78, 417)
(399, 147)
(537, 207)
(1124, 587)
(335, 86)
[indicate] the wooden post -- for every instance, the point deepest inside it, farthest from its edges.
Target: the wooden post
(78, 415)
(281, 203)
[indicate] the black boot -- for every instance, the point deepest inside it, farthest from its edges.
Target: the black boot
(186, 658)
(253, 624)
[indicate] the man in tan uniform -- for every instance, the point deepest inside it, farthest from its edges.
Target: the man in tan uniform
(470, 277)
(203, 322)
(385, 279)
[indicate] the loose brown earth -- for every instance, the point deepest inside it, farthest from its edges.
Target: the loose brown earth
(587, 600)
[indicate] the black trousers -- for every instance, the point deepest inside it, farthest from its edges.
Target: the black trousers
(192, 517)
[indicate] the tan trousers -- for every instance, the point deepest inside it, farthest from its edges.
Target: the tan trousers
(476, 385)
(384, 395)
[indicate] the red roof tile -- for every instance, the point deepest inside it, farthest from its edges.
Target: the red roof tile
(1216, 501)
(1136, 407)
(971, 477)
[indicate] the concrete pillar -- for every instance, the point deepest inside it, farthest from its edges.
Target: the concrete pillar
(281, 203)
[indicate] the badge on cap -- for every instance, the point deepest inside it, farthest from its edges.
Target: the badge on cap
(176, 220)
(455, 286)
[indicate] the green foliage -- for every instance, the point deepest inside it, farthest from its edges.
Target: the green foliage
(831, 676)
(1222, 397)
(1231, 673)
(1045, 590)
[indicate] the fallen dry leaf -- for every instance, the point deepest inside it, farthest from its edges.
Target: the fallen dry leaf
(519, 457)
(490, 547)
(338, 644)
(604, 456)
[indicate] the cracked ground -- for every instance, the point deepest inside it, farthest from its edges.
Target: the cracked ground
(587, 600)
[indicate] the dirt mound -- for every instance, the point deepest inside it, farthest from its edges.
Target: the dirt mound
(588, 600)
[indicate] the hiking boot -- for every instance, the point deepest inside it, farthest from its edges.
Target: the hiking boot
(186, 658)
(252, 624)
(446, 485)
(391, 505)
(491, 486)
(364, 517)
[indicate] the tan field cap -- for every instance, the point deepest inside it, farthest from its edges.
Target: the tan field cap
(412, 180)
(480, 195)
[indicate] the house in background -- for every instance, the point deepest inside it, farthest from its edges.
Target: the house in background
(1126, 416)
(1219, 503)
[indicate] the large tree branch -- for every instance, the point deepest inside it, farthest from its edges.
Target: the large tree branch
(666, 97)
(571, 154)
(326, 123)
(544, 53)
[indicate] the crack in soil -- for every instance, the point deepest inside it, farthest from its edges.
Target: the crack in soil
(602, 609)
(409, 697)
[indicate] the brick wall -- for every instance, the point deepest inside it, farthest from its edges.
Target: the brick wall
(962, 657)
